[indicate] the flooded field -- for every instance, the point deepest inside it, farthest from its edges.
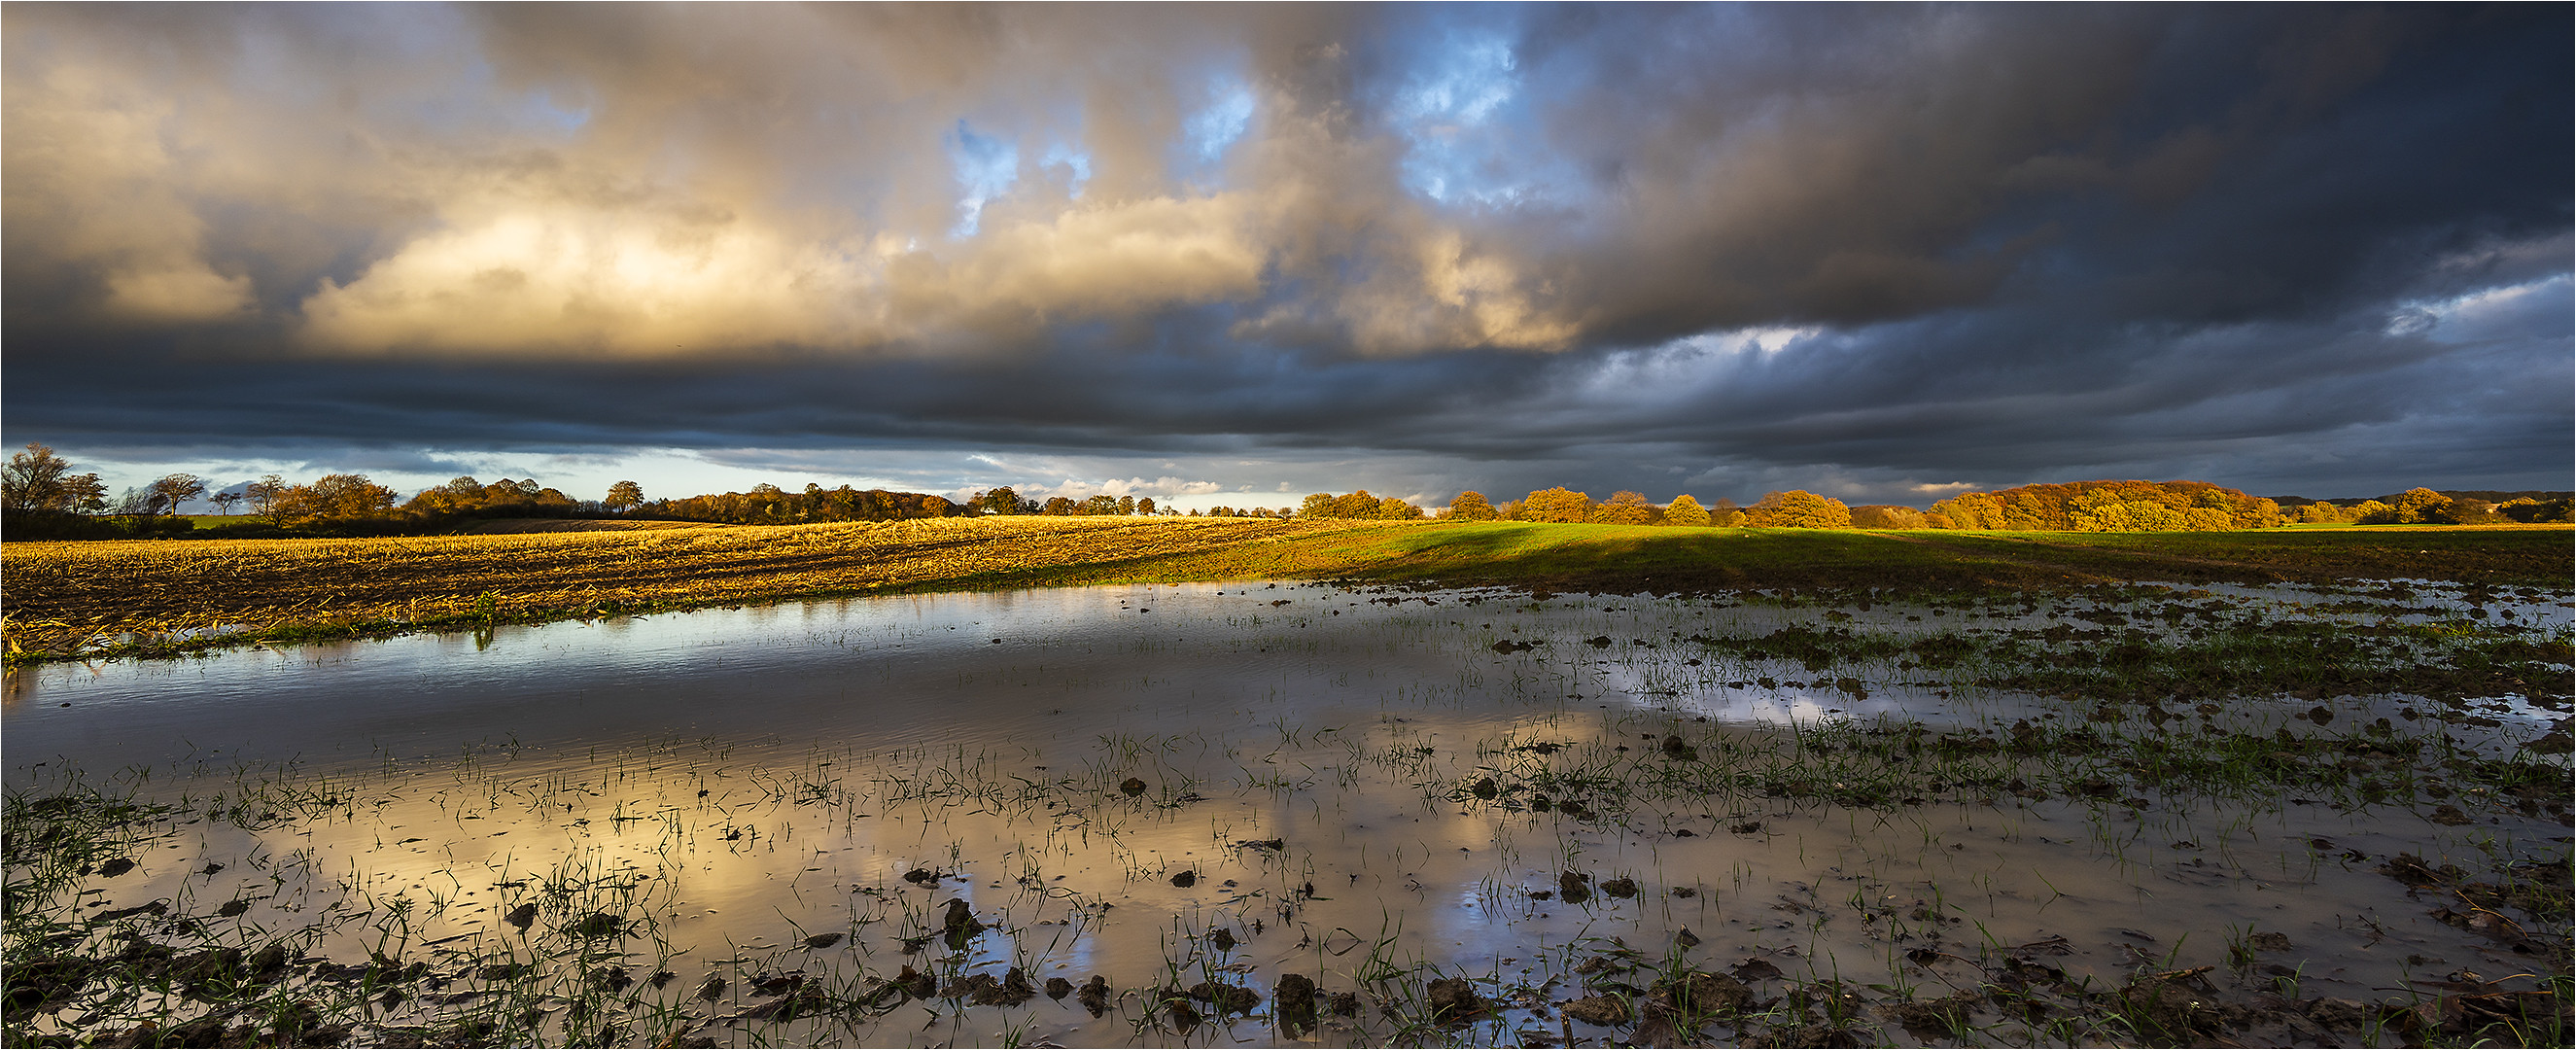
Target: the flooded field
(1284, 813)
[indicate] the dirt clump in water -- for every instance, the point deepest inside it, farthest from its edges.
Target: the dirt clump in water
(1604, 1010)
(1294, 1003)
(1453, 1001)
(1227, 998)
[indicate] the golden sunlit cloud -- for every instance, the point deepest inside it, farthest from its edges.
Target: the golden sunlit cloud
(517, 279)
(93, 179)
(523, 277)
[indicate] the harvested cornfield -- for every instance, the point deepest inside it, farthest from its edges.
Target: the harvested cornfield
(159, 597)
(63, 597)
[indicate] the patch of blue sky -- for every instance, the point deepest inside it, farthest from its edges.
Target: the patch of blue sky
(1463, 84)
(1208, 133)
(987, 167)
(1075, 163)
(1462, 115)
(543, 109)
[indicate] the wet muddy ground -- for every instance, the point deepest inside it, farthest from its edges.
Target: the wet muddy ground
(1257, 813)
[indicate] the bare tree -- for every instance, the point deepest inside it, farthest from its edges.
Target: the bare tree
(165, 496)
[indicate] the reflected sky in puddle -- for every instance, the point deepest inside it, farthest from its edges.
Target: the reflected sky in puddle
(759, 775)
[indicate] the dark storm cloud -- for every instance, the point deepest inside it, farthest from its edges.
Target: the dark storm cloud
(1722, 249)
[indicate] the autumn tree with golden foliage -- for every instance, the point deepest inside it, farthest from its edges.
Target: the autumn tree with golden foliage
(1798, 509)
(623, 496)
(1685, 511)
(1469, 506)
(1359, 506)
(2111, 506)
(1556, 505)
(333, 499)
(1626, 508)
(1888, 516)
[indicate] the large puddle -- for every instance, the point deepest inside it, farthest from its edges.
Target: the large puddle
(1205, 787)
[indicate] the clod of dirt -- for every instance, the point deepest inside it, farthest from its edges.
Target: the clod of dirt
(2450, 816)
(1095, 995)
(1703, 993)
(1227, 998)
(1186, 879)
(1057, 988)
(47, 986)
(960, 919)
(1931, 1019)
(2411, 870)
(1184, 1016)
(1293, 1002)
(116, 867)
(1344, 1004)
(1678, 751)
(920, 876)
(822, 940)
(598, 924)
(232, 908)
(1601, 641)
(1453, 1000)
(915, 983)
(2341, 1015)
(1486, 788)
(983, 989)
(1574, 887)
(1685, 892)
(1603, 1010)
(1132, 787)
(268, 962)
(1620, 888)
(612, 978)
(2162, 1009)
(2269, 942)
(1686, 939)
(1223, 939)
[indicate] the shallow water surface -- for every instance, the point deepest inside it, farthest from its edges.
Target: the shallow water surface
(1222, 784)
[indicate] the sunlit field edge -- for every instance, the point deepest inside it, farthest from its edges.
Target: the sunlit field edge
(142, 597)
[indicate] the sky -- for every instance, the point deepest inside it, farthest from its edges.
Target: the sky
(1236, 254)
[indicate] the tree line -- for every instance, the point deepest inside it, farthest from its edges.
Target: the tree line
(43, 498)
(1795, 508)
(2428, 507)
(2088, 506)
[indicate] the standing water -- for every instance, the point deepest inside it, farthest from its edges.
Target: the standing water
(1296, 812)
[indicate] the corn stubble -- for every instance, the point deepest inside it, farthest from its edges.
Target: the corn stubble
(143, 597)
